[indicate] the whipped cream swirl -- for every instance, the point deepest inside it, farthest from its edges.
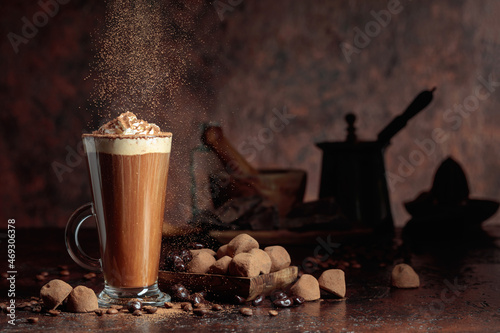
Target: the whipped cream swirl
(128, 124)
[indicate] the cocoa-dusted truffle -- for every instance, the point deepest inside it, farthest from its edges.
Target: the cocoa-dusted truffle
(209, 251)
(280, 258)
(244, 264)
(333, 281)
(82, 299)
(222, 251)
(201, 262)
(307, 287)
(221, 266)
(54, 293)
(264, 260)
(403, 276)
(240, 244)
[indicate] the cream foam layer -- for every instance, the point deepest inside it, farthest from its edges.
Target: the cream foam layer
(127, 145)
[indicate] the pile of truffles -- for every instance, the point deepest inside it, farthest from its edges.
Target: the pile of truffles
(78, 299)
(240, 257)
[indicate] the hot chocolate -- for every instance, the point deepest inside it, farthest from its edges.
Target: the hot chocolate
(128, 162)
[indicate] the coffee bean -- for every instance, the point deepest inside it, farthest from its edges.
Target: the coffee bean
(54, 313)
(89, 276)
(62, 267)
(99, 312)
(246, 311)
(179, 266)
(195, 246)
(216, 307)
(64, 272)
(238, 300)
(196, 298)
(258, 300)
(273, 313)
(40, 277)
(168, 305)
(151, 309)
(32, 320)
(283, 302)
(179, 293)
(298, 300)
(118, 307)
(186, 256)
(112, 311)
(134, 305)
(200, 312)
(36, 308)
(44, 273)
(137, 313)
(278, 294)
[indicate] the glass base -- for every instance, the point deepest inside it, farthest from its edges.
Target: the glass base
(121, 296)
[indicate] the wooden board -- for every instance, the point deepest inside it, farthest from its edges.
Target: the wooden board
(224, 285)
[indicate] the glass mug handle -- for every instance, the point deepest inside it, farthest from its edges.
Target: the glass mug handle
(73, 245)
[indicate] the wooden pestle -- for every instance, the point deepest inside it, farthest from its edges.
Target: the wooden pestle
(232, 160)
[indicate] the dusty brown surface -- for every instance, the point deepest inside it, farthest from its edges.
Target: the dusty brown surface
(370, 304)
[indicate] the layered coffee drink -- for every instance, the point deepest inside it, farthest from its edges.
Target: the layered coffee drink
(128, 162)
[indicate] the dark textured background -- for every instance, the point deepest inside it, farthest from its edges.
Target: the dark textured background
(262, 55)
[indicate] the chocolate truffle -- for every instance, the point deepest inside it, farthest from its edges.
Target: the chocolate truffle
(264, 260)
(82, 299)
(280, 258)
(244, 264)
(209, 251)
(221, 266)
(201, 262)
(403, 276)
(333, 281)
(307, 287)
(240, 244)
(54, 293)
(222, 251)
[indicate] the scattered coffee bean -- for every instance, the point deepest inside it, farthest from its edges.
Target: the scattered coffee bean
(199, 305)
(118, 307)
(246, 311)
(195, 246)
(32, 320)
(273, 313)
(216, 307)
(179, 293)
(168, 305)
(40, 277)
(36, 308)
(196, 298)
(64, 272)
(54, 313)
(99, 312)
(34, 298)
(137, 313)
(258, 300)
(200, 312)
(151, 309)
(89, 276)
(298, 300)
(44, 273)
(283, 302)
(62, 267)
(278, 294)
(112, 311)
(134, 305)
(238, 300)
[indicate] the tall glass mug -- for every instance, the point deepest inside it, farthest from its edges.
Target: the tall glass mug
(128, 177)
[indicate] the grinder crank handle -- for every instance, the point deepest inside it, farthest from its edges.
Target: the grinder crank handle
(418, 104)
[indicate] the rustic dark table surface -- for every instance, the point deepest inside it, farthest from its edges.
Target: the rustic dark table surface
(459, 292)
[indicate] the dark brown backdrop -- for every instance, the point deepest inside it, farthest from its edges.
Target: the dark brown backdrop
(245, 62)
